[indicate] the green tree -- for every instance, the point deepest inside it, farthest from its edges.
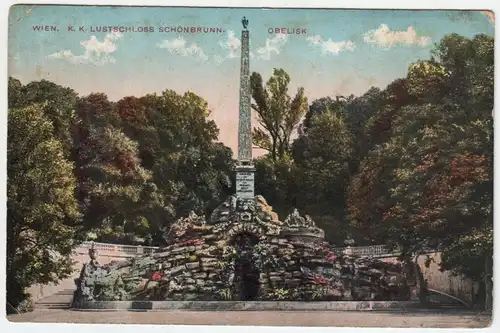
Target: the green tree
(277, 181)
(136, 124)
(15, 93)
(337, 105)
(178, 142)
(58, 104)
(468, 64)
(42, 212)
(444, 194)
(278, 114)
(321, 156)
(112, 184)
(367, 196)
(430, 182)
(383, 107)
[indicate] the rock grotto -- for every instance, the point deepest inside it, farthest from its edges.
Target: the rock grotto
(244, 252)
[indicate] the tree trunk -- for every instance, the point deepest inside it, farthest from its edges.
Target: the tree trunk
(273, 152)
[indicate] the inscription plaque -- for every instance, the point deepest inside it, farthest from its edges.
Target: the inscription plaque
(245, 184)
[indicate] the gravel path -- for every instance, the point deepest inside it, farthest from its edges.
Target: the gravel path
(421, 318)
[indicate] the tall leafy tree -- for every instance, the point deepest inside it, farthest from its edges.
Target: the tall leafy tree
(58, 104)
(278, 182)
(112, 182)
(384, 105)
(42, 212)
(136, 124)
(337, 105)
(278, 114)
(190, 168)
(322, 155)
(430, 182)
(355, 112)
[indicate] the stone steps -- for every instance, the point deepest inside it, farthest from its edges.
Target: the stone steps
(60, 300)
(54, 306)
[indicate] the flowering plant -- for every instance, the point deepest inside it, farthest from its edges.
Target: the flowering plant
(156, 276)
(330, 256)
(320, 280)
(198, 242)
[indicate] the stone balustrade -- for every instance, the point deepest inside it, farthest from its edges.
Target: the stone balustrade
(362, 251)
(116, 248)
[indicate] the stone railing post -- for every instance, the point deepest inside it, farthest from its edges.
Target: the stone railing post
(140, 250)
(348, 251)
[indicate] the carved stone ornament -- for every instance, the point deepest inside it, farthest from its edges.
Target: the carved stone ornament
(179, 227)
(245, 209)
(295, 220)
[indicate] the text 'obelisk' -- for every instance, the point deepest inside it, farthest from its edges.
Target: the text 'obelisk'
(245, 170)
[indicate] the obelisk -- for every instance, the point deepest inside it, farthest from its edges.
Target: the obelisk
(245, 169)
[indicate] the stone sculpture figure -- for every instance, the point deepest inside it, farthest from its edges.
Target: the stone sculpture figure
(296, 223)
(264, 210)
(295, 220)
(244, 21)
(309, 222)
(93, 255)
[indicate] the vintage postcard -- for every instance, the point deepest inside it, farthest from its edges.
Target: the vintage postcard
(249, 166)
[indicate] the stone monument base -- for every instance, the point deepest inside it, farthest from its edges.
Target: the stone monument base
(245, 181)
(245, 306)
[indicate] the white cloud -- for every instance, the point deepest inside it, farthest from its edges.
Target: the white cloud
(331, 47)
(96, 52)
(273, 45)
(232, 44)
(385, 37)
(218, 59)
(179, 46)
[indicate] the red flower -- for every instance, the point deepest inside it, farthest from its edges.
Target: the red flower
(178, 244)
(320, 280)
(157, 276)
(331, 256)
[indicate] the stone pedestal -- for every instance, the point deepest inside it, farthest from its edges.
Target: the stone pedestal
(245, 181)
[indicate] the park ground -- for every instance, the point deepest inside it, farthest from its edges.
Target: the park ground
(446, 318)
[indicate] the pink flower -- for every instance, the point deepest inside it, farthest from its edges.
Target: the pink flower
(157, 276)
(331, 257)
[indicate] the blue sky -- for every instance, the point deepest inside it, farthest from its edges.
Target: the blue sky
(342, 51)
